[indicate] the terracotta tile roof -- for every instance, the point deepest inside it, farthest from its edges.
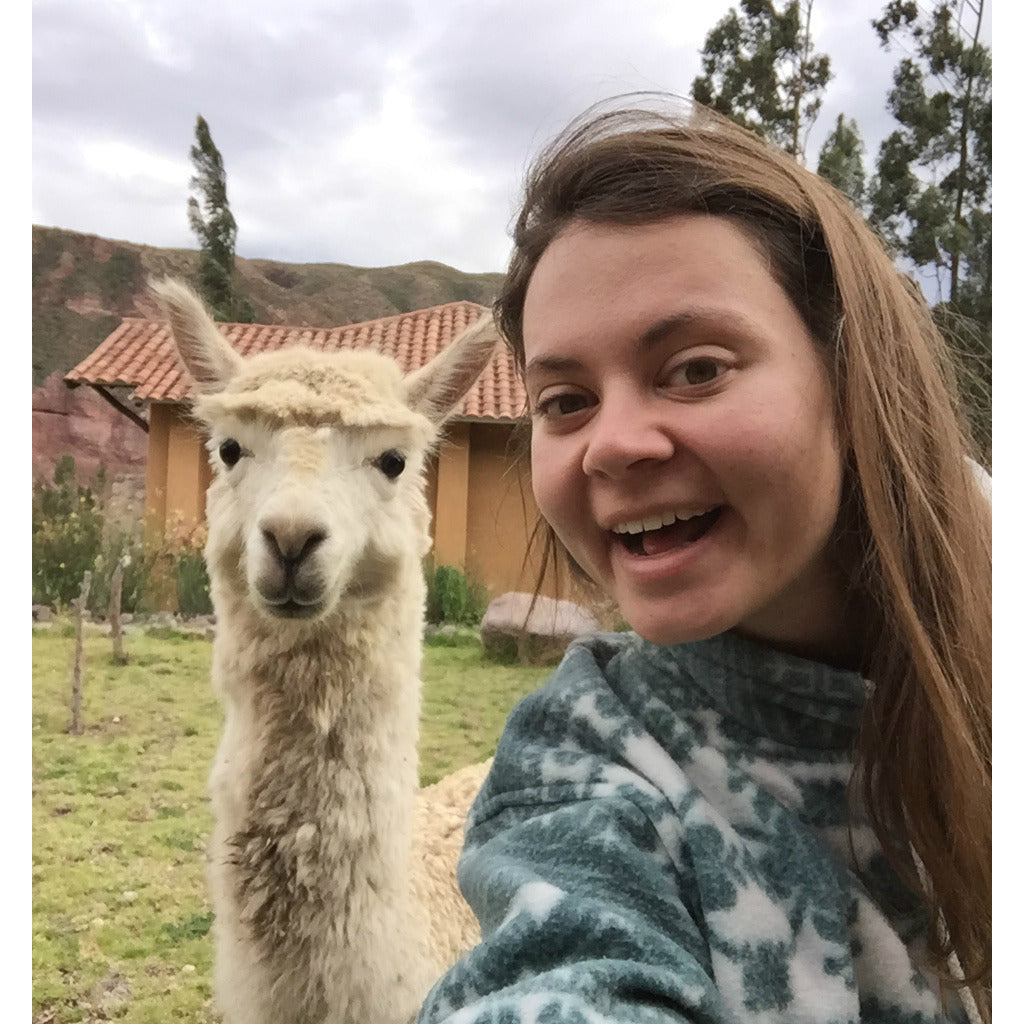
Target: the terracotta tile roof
(140, 354)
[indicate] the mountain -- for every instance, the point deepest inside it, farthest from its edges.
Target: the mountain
(82, 285)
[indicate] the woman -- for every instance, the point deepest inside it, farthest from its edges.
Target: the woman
(772, 801)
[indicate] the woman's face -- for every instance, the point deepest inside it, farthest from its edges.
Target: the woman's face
(684, 445)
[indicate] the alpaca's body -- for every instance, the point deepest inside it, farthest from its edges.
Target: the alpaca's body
(324, 912)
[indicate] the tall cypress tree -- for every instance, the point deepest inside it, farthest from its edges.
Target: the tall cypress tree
(760, 70)
(211, 219)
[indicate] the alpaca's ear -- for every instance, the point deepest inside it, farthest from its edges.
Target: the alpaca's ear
(436, 388)
(209, 358)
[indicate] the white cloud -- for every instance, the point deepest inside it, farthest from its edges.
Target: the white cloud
(125, 162)
(358, 132)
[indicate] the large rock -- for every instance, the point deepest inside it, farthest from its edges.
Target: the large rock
(78, 422)
(510, 631)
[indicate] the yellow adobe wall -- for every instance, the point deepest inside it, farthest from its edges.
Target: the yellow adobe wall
(186, 476)
(482, 507)
(160, 417)
(502, 516)
(451, 497)
(501, 513)
(177, 473)
(431, 491)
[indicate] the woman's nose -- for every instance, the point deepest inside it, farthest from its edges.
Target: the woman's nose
(624, 434)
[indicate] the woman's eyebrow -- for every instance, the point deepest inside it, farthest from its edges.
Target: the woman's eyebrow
(551, 364)
(701, 317)
(729, 321)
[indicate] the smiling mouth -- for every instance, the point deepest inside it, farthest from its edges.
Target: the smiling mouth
(670, 537)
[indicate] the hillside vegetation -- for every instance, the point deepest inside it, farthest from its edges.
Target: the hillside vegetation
(83, 284)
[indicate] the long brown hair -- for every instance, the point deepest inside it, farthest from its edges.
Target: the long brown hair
(919, 526)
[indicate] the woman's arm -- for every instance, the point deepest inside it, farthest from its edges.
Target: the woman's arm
(584, 919)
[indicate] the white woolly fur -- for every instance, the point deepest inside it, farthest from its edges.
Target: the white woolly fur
(332, 879)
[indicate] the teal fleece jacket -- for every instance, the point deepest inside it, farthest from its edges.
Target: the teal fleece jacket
(664, 837)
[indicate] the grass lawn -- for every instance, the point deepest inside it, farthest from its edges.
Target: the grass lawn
(120, 816)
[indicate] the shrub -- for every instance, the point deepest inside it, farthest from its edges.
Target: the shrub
(193, 582)
(452, 597)
(128, 548)
(70, 536)
(67, 534)
(176, 571)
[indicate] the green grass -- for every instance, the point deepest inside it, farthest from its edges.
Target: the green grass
(465, 703)
(120, 815)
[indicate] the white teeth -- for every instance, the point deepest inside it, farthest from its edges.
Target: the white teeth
(655, 522)
(637, 527)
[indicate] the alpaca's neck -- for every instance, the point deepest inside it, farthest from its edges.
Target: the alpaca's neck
(313, 792)
(327, 715)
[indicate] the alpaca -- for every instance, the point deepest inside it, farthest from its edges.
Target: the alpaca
(325, 911)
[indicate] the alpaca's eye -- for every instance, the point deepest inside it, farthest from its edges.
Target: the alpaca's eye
(391, 463)
(230, 451)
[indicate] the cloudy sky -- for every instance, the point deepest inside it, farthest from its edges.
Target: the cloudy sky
(374, 132)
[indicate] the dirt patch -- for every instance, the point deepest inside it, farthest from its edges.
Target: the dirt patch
(86, 305)
(109, 993)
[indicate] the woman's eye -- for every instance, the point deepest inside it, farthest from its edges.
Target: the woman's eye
(564, 404)
(701, 370)
(230, 452)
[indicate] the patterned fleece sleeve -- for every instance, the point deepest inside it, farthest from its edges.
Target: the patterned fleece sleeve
(584, 916)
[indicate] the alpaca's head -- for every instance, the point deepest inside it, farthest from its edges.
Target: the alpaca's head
(318, 460)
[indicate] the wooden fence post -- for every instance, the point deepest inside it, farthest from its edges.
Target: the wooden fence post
(75, 728)
(114, 614)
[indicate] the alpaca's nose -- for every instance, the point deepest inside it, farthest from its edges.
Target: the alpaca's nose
(291, 541)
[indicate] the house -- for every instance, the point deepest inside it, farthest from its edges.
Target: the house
(479, 493)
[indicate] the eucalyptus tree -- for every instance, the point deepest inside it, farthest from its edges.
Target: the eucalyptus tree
(841, 160)
(760, 69)
(931, 195)
(932, 192)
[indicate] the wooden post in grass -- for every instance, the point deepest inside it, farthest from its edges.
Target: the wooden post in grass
(114, 614)
(75, 728)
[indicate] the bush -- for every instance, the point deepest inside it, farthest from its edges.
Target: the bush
(176, 571)
(67, 534)
(127, 548)
(452, 597)
(70, 537)
(193, 582)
